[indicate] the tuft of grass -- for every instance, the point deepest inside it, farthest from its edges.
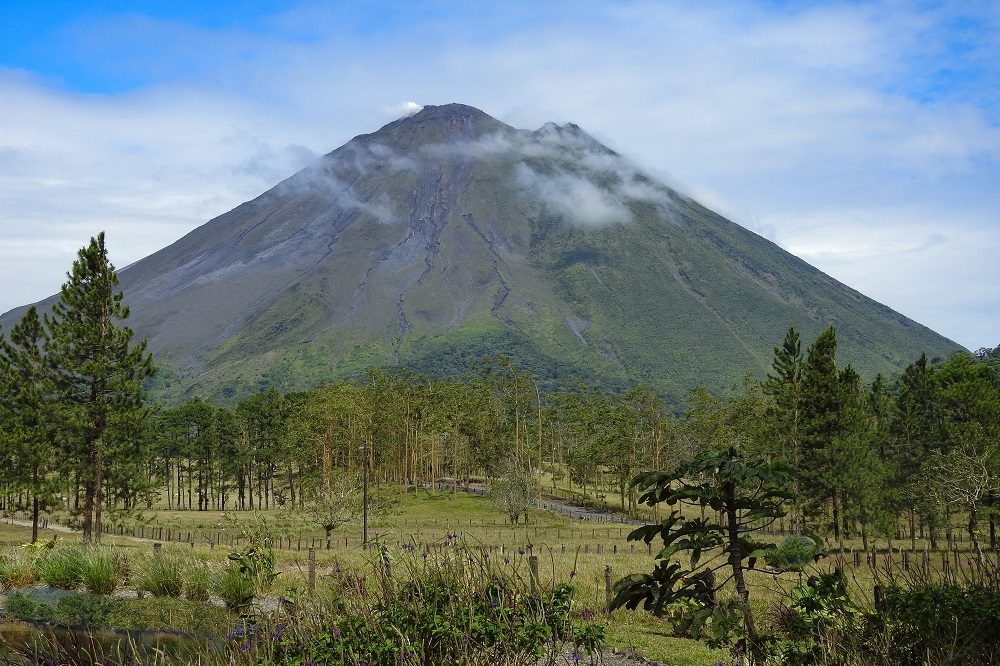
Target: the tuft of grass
(102, 569)
(235, 588)
(197, 580)
(162, 575)
(17, 569)
(62, 566)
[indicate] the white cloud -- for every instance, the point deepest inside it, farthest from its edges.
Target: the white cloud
(577, 200)
(404, 110)
(781, 115)
(912, 258)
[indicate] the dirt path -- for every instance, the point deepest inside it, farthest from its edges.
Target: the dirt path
(53, 527)
(553, 504)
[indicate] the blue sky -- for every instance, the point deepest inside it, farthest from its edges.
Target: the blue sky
(862, 136)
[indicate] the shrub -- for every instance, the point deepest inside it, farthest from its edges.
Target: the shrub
(458, 607)
(84, 610)
(160, 574)
(62, 566)
(235, 588)
(938, 623)
(102, 569)
(177, 615)
(794, 553)
(75, 609)
(815, 613)
(20, 606)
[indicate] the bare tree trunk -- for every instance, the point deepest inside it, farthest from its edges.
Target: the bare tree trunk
(98, 502)
(836, 518)
(736, 564)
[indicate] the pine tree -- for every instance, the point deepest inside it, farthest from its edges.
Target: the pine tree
(918, 432)
(821, 408)
(858, 474)
(98, 374)
(26, 390)
(784, 388)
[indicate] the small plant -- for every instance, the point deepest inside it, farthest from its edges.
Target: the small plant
(18, 569)
(20, 606)
(794, 553)
(161, 575)
(197, 581)
(101, 570)
(62, 567)
(589, 639)
(235, 588)
(84, 610)
(255, 561)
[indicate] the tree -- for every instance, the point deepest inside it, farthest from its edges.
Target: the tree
(821, 423)
(98, 373)
(747, 495)
(784, 388)
(513, 489)
(337, 500)
(26, 385)
(856, 470)
(962, 479)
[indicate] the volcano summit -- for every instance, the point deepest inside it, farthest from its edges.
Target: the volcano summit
(449, 235)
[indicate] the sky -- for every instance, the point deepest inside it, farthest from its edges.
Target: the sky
(863, 137)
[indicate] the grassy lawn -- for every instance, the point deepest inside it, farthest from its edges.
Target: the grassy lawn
(567, 550)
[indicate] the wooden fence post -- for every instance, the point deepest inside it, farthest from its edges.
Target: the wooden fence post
(607, 589)
(312, 570)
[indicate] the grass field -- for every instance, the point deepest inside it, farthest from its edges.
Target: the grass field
(567, 550)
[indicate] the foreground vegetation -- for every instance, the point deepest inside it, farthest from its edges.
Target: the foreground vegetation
(814, 617)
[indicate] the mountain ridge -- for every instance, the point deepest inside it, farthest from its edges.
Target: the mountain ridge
(448, 233)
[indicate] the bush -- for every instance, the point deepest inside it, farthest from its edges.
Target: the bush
(102, 570)
(794, 553)
(160, 574)
(73, 609)
(938, 623)
(164, 613)
(815, 615)
(84, 610)
(21, 606)
(62, 566)
(235, 588)
(455, 608)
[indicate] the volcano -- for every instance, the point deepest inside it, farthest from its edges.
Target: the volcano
(448, 236)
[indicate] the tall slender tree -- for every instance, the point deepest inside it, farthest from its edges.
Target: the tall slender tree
(98, 373)
(821, 408)
(784, 387)
(28, 409)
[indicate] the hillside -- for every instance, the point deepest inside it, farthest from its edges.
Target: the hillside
(448, 235)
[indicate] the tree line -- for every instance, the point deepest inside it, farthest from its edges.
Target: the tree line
(72, 400)
(867, 458)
